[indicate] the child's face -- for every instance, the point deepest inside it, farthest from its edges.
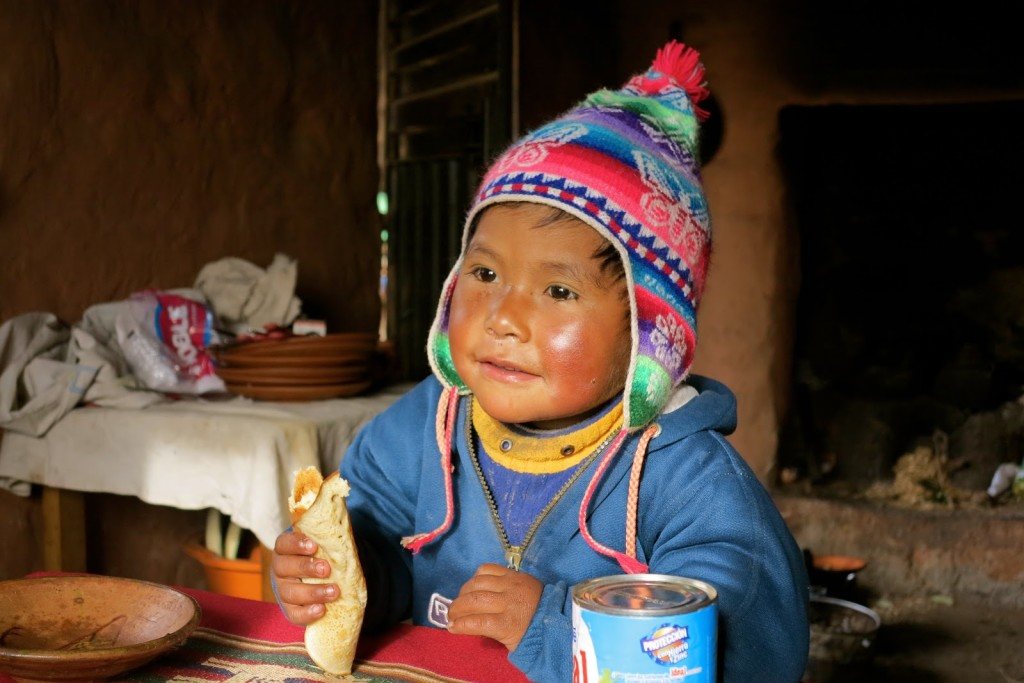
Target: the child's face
(539, 332)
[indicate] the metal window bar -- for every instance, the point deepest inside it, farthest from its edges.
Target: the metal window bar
(447, 28)
(446, 93)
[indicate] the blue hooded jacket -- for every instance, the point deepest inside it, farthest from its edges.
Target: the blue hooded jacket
(703, 515)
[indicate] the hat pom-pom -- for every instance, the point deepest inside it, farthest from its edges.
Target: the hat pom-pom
(682, 64)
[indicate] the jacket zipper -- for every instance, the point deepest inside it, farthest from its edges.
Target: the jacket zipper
(514, 553)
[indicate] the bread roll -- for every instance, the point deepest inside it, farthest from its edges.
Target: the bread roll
(318, 510)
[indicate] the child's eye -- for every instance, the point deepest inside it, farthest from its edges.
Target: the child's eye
(484, 274)
(560, 293)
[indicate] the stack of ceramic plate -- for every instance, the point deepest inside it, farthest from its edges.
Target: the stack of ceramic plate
(299, 368)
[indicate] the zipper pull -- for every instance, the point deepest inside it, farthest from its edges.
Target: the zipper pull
(514, 557)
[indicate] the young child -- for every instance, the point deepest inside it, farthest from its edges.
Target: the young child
(561, 437)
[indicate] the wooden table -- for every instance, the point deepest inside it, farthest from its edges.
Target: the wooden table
(236, 456)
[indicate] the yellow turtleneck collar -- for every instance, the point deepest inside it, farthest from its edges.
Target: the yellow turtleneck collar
(543, 453)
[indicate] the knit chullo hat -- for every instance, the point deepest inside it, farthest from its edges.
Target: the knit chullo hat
(625, 163)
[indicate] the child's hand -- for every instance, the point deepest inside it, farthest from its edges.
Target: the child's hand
(498, 603)
(303, 603)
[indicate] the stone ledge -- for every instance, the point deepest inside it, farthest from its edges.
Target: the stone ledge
(975, 555)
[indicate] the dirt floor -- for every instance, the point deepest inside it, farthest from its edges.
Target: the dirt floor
(934, 642)
(946, 581)
(929, 640)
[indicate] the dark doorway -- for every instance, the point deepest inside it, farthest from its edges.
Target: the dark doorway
(911, 309)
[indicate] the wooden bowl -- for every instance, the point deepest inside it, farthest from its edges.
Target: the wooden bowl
(337, 359)
(78, 628)
(839, 563)
(341, 343)
(313, 392)
(294, 376)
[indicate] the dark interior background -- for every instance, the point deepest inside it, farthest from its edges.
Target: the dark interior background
(912, 276)
(863, 196)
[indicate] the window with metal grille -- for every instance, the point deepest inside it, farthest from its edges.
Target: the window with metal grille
(446, 108)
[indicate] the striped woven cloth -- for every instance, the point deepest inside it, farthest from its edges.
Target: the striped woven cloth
(242, 640)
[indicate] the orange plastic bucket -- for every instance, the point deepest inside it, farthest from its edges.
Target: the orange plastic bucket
(240, 578)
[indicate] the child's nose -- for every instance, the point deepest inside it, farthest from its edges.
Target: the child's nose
(509, 315)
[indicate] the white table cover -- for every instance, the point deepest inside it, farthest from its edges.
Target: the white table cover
(237, 456)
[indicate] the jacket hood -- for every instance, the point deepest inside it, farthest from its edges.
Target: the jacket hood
(710, 405)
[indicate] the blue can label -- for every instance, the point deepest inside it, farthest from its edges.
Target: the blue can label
(668, 645)
(612, 648)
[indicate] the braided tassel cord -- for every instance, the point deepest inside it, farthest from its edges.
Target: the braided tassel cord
(633, 498)
(630, 565)
(444, 427)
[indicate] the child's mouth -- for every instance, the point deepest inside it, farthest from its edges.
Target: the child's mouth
(504, 372)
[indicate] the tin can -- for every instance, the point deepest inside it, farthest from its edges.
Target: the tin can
(644, 628)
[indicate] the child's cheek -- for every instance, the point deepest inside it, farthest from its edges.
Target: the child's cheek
(458, 325)
(570, 358)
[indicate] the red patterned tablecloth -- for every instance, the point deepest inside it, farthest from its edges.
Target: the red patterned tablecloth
(245, 640)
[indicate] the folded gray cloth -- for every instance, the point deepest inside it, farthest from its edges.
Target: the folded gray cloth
(47, 368)
(244, 297)
(37, 385)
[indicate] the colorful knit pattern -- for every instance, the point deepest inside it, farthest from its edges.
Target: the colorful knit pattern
(623, 162)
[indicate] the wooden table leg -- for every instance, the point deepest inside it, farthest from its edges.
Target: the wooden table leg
(63, 530)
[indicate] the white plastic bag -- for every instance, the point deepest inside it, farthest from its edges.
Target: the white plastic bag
(165, 338)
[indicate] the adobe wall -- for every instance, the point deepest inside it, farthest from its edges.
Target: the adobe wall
(139, 141)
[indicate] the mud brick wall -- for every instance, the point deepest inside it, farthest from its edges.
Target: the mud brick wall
(141, 140)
